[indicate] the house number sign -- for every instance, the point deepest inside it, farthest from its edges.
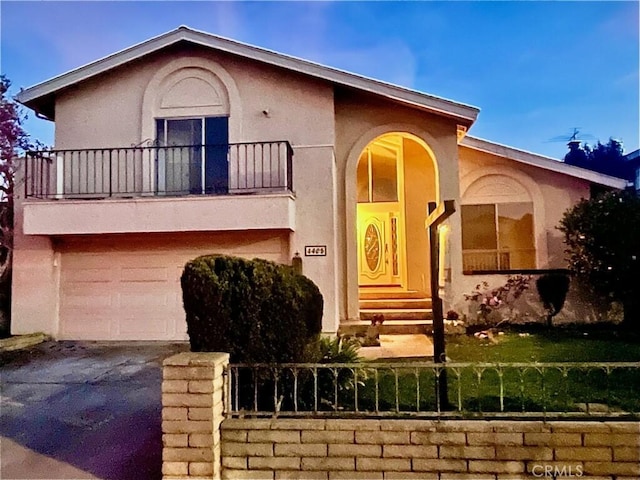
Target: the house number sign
(315, 251)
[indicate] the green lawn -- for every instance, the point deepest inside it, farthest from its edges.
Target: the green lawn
(532, 389)
(554, 346)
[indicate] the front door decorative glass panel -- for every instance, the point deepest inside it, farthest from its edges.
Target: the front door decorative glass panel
(192, 155)
(374, 243)
(372, 247)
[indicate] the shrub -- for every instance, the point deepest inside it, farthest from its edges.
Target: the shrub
(603, 247)
(552, 288)
(338, 350)
(493, 299)
(257, 311)
(336, 385)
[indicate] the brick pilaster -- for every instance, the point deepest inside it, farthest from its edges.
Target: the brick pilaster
(192, 410)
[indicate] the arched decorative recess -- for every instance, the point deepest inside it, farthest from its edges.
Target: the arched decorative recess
(434, 150)
(501, 185)
(191, 86)
(194, 92)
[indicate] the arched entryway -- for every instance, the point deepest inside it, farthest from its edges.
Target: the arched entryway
(396, 179)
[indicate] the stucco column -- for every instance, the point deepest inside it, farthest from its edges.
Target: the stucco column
(36, 270)
(192, 411)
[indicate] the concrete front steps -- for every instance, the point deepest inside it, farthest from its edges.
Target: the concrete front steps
(404, 313)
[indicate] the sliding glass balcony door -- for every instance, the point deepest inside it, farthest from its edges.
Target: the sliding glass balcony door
(192, 155)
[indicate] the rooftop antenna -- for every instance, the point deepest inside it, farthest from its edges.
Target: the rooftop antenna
(574, 136)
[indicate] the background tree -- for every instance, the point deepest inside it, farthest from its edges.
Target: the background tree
(13, 140)
(577, 154)
(607, 158)
(603, 240)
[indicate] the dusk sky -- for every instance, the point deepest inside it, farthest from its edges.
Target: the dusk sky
(535, 69)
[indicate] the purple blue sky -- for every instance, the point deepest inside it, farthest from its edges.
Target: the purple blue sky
(535, 69)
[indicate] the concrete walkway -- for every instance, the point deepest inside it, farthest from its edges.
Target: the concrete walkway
(19, 462)
(76, 410)
(400, 346)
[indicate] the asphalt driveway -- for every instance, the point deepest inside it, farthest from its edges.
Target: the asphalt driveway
(75, 410)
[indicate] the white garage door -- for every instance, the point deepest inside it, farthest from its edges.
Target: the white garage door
(129, 288)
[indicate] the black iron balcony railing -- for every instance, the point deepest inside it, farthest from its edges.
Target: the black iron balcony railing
(239, 168)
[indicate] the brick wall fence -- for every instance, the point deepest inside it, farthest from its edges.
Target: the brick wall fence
(198, 444)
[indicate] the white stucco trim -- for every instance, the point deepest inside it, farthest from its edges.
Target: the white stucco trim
(535, 193)
(435, 151)
(198, 213)
(541, 161)
(33, 96)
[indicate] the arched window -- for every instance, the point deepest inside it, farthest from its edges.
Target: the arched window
(498, 231)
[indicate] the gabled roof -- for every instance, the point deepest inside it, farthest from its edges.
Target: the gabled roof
(41, 97)
(541, 161)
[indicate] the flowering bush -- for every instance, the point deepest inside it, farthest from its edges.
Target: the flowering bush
(492, 299)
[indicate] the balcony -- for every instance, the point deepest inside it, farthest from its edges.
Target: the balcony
(239, 168)
(159, 189)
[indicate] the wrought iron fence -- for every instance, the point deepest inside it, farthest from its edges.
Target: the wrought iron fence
(507, 390)
(160, 170)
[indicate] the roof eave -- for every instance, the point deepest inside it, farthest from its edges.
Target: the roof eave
(542, 161)
(462, 113)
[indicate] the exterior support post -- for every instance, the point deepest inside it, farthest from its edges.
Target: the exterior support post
(437, 215)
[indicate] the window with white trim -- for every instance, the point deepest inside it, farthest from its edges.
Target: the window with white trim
(498, 236)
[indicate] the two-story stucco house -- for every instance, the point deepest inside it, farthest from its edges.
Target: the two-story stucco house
(189, 144)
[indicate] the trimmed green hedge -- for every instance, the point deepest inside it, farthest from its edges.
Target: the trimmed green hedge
(256, 310)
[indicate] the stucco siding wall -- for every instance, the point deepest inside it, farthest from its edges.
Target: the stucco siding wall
(107, 111)
(34, 300)
(314, 180)
(420, 189)
(102, 112)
